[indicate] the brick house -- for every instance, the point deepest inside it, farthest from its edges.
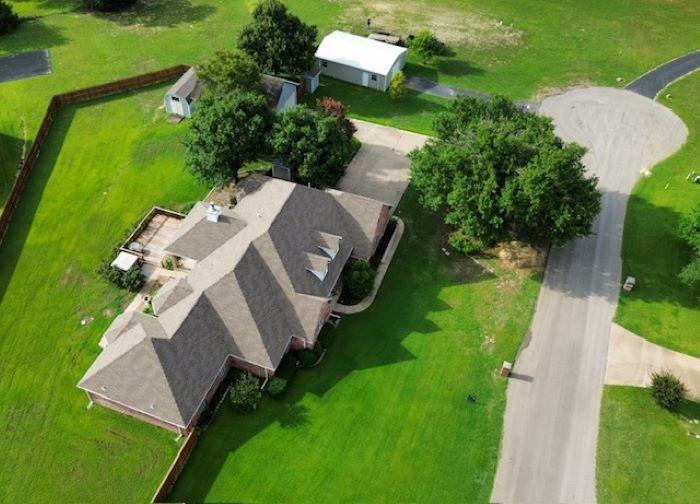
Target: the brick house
(262, 282)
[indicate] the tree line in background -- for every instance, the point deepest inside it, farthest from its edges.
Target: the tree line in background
(496, 172)
(233, 124)
(690, 232)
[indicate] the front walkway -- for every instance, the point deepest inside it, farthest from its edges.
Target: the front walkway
(632, 360)
(380, 169)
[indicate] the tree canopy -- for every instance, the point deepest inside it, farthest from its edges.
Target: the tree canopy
(108, 5)
(278, 40)
(426, 45)
(226, 132)
(690, 232)
(8, 19)
(498, 173)
(226, 71)
(317, 146)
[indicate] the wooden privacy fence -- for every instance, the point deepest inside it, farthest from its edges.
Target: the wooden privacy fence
(58, 101)
(176, 467)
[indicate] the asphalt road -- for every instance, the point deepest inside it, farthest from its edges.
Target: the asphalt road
(652, 82)
(553, 399)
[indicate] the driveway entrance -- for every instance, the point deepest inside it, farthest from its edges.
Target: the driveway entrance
(380, 168)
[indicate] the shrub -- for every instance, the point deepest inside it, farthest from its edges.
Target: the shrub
(333, 108)
(326, 337)
(276, 386)
(108, 5)
(427, 46)
(667, 390)
(169, 262)
(130, 280)
(245, 393)
(397, 87)
(9, 21)
(360, 279)
(307, 357)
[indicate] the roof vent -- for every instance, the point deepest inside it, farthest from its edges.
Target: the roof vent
(213, 212)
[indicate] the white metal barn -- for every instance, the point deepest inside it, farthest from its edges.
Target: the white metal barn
(360, 60)
(179, 98)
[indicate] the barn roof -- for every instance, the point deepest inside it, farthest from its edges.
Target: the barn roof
(359, 52)
(186, 86)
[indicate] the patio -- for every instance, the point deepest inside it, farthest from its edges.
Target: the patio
(152, 235)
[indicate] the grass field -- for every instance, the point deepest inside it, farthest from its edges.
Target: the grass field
(385, 416)
(103, 166)
(660, 308)
(551, 44)
(644, 452)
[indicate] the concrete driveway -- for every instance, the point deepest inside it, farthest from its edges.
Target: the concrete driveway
(553, 401)
(380, 169)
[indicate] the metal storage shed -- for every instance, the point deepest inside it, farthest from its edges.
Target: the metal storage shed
(179, 98)
(360, 60)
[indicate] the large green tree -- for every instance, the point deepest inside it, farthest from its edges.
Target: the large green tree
(690, 232)
(8, 19)
(317, 146)
(278, 40)
(227, 71)
(498, 173)
(226, 131)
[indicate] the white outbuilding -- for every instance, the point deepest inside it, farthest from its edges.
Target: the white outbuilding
(360, 60)
(179, 100)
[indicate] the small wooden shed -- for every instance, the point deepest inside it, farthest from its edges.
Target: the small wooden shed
(179, 100)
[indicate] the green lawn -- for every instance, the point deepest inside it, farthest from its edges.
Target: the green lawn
(103, 166)
(385, 416)
(644, 452)
(551, 43)
(660, 308)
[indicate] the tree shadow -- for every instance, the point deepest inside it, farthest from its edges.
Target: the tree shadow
(56, 6)
(23, 216)
(160, 13)
(33, 34)
(407, 300)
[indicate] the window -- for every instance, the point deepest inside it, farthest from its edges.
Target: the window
(324, 64)
(175, 98)
(374, 77)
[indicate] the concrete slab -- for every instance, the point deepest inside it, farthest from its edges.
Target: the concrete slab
(380, 169)
(23, 65)
(632, 360)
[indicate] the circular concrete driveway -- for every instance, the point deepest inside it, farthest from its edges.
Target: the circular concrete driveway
(553, 401)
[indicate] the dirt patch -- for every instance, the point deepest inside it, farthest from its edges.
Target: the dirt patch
(518, 256)
(453, 26)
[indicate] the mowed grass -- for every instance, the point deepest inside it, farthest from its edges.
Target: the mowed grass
(551, 43)
(385, 416)
(644, 452)
(660, 308)
(102, 167)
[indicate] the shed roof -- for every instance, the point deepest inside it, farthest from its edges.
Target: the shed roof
(359, 52)
(186, 86)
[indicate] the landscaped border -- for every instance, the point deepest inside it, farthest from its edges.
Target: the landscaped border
(55, 104)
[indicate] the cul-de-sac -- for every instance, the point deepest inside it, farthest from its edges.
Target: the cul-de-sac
(324, 251)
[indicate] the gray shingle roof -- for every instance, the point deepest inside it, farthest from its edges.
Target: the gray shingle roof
(248, 295)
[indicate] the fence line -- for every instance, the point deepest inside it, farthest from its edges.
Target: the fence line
(176, 467)
(55, 104)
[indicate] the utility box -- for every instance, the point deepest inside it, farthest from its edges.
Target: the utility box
(506, 368)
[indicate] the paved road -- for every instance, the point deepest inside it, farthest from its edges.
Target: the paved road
(652, 82)
(553, 401)
(450, 92)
